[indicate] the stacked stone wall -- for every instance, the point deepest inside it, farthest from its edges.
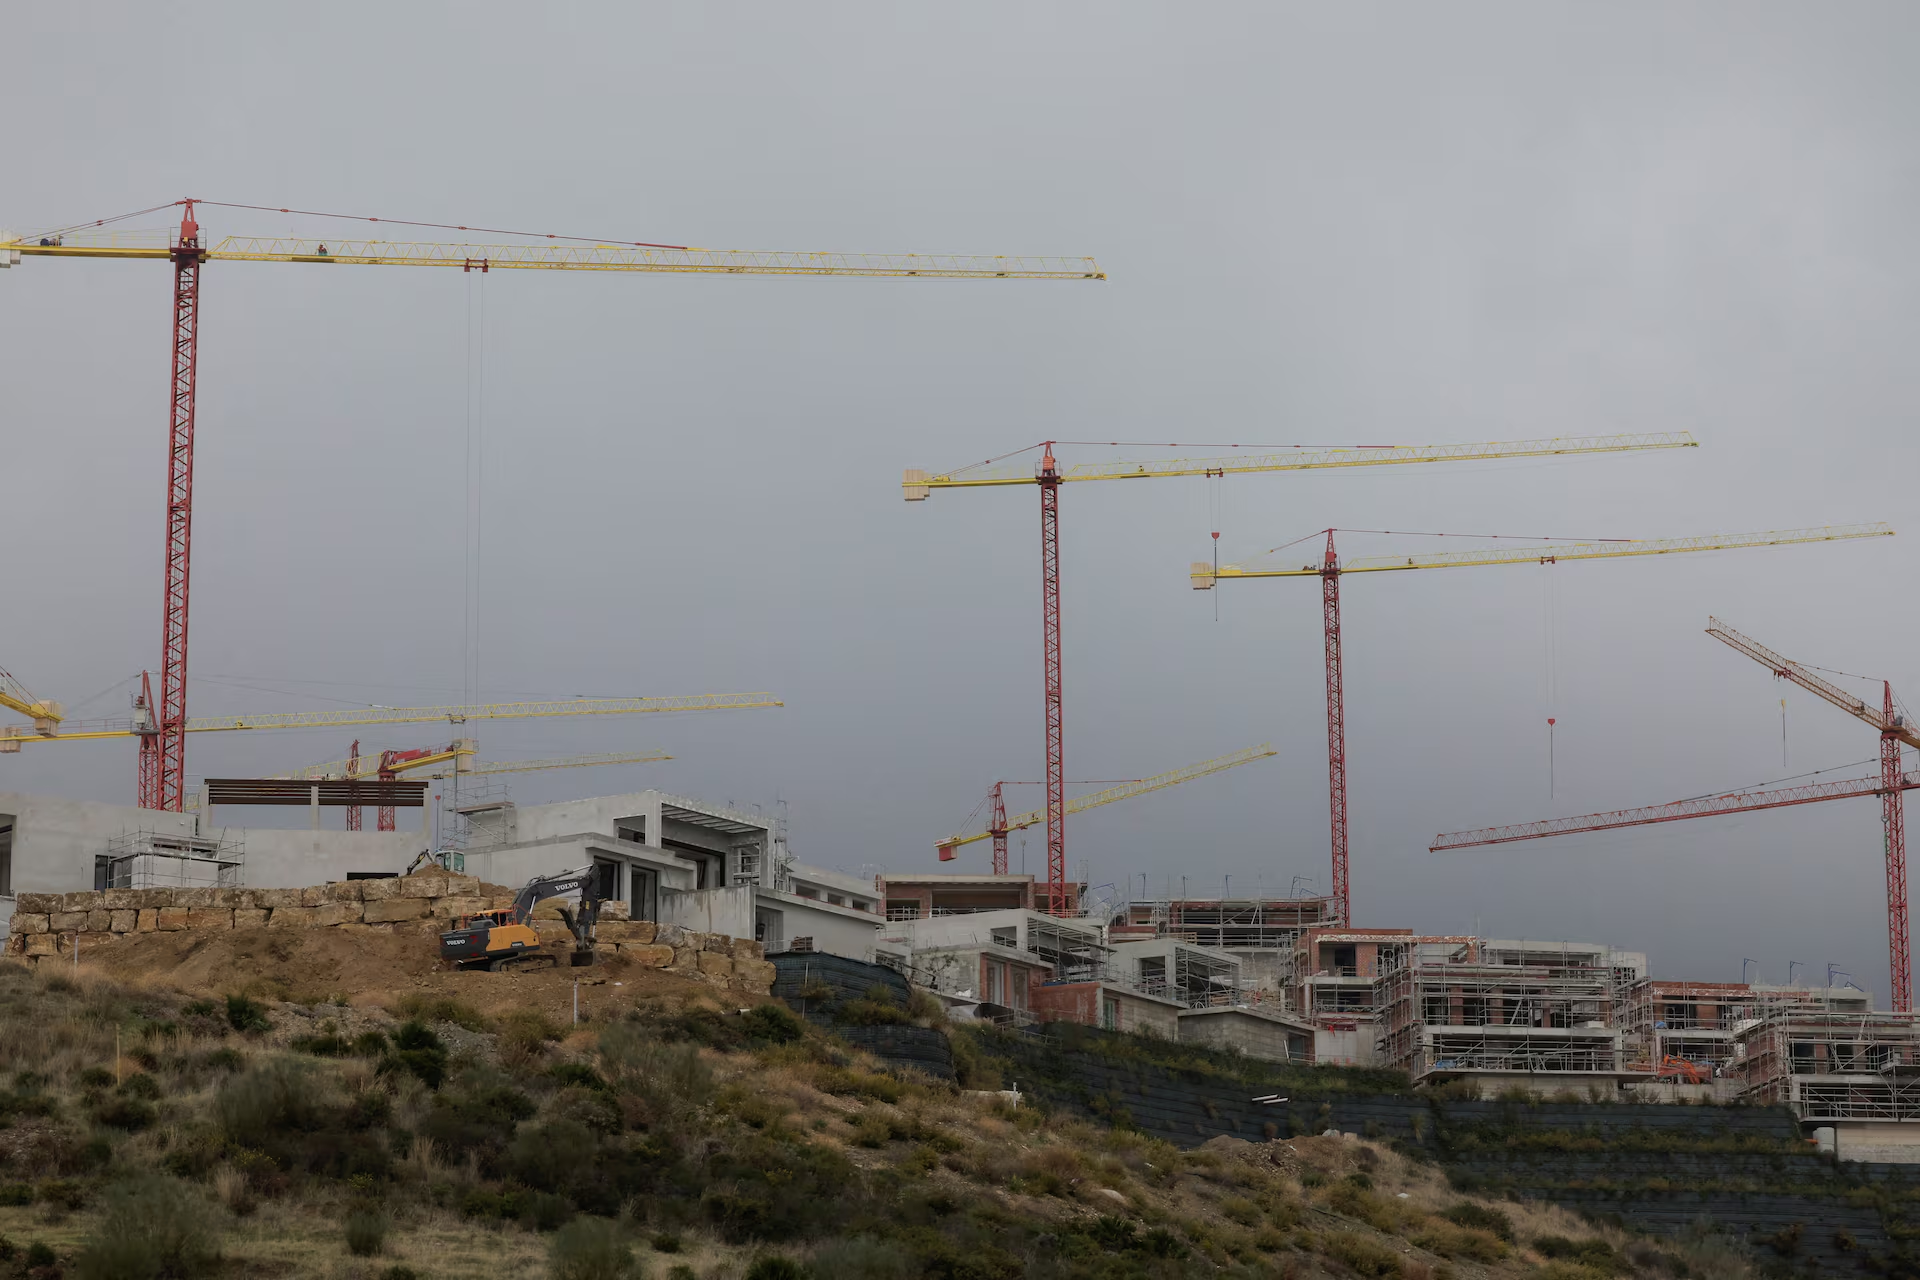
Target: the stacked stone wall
(55, 924)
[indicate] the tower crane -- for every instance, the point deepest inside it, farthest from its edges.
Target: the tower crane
(917, 485)
(1891, 784)
(163, 744)
(457, 757)
(46, 714)
(996, 803)
(1056, 887)
(1330, 570)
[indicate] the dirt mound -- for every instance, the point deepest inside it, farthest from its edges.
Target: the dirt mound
(371, 967)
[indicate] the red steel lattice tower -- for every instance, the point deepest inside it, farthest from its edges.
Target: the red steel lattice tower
(999, 829)
(354, 814)
(163, 750)
(1336, 731)
(1893, 823)
(1049, 477)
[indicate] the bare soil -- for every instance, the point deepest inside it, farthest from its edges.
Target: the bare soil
(367, 967)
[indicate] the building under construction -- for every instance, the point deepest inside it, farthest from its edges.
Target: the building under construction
(1262, 933)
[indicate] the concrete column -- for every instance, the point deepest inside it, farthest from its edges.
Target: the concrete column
(313, 793)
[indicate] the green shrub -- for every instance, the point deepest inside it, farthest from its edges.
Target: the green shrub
(369, 1044)
(1364, 1256)
(95, 1078)
(577, 1073)
(666, 1242)
(590, 1249)
(773, 1024)
(419, 1052)
(1450, 1240)
(130, 1114)
(246, 1015)
(774, 1266)
(16, 1193)
(400, 1271)
(153, 1227)
(424, 1008)
(255, 1108)
(39, 1254)
(323, 1046)
(366, 1231)
(70, 1196)
(141, 1085)
(1597, 1255)
(1480, 1218)
(863, 1258)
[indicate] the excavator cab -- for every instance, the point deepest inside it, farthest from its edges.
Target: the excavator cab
(504, 938)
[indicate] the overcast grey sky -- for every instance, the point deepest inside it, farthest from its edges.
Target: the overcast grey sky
(1412, 223)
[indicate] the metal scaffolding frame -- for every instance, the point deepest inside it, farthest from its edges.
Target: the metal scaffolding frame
(146, 859)
(1457, 1005)
(1835, 1066)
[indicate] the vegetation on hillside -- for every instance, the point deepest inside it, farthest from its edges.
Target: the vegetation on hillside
(148, 1134)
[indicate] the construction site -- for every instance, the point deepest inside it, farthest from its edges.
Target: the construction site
(1292, 979)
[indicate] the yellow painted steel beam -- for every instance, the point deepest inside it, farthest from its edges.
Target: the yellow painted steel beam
(46, 713)
(917, 484)
(460, 755)
(1126, 791)
(1204, 575)
(97, 729)
(583, 257)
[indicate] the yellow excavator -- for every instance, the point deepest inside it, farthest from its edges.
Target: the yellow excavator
(504, 938)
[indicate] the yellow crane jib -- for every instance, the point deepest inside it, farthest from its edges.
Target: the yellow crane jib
(126, 728)
(575, 257)
(1125, 791)
(917, 484)
(1203, 575)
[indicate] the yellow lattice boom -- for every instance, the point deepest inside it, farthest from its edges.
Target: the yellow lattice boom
(917, 484)
(460, 756)
(96, 729)
(1204, 575)
(578, 257)
(1126, 791)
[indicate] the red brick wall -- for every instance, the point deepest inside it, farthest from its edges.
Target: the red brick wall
(1068, 1002)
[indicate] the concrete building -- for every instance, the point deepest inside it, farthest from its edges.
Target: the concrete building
(1505, 1013)
(670, 859)
(924, 896)
(49, 844)
(680, 861)
(1852, 1077)
(1263, 934)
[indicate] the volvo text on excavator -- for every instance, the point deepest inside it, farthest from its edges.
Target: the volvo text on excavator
(505, 938)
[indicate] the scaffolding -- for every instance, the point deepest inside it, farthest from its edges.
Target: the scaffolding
(1232, 924)
(1832, 1066)
(1196, 980)
(1459, 1004)
(145, 859)
(478, 819)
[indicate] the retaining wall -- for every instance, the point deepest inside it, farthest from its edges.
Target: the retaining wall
(1653, 1167)
(55, 924)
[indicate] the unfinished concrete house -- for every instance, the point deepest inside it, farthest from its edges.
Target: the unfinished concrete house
(1540, 1016)
(680, 861)
(925, 897)
(1261, 933)
(1856, 1073)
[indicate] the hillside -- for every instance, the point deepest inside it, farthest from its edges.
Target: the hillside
(224, 1130)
